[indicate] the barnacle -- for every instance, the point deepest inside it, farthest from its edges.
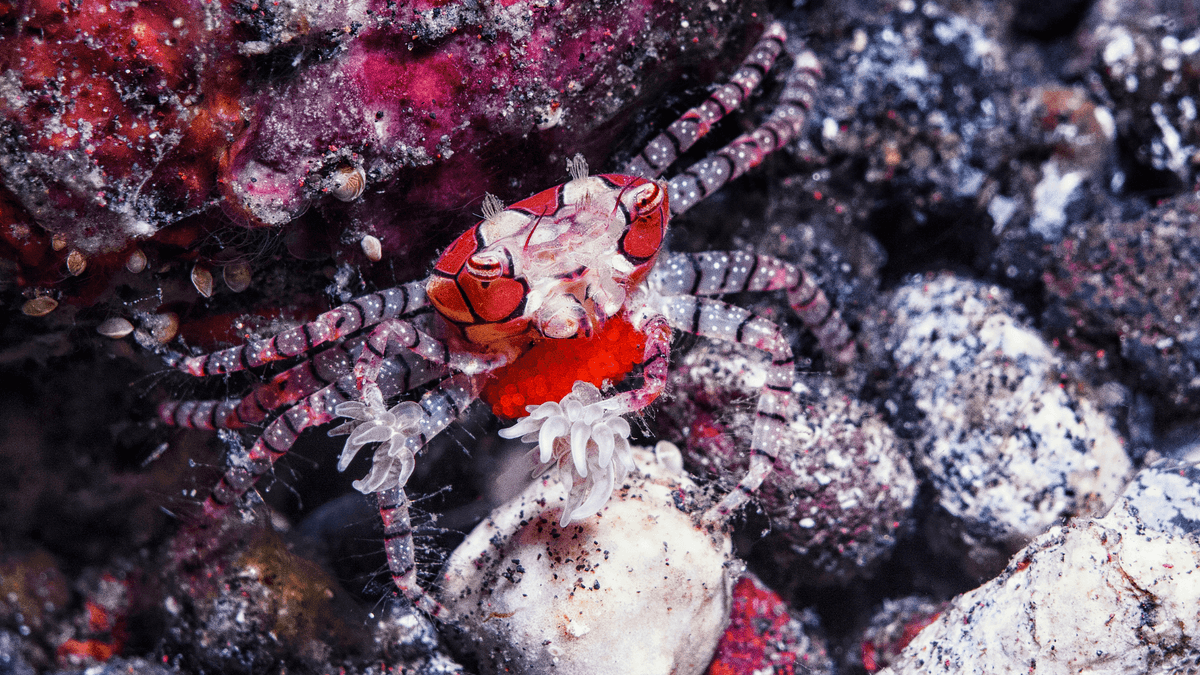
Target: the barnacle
(586, 439)
(390, 428)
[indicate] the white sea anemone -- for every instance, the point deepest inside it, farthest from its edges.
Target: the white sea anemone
(392, 429)
(586, 439)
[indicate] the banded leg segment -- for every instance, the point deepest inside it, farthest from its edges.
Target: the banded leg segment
(398, 543)
(655, 360)
(285, 388)
(683, 133)
(748, 150)
(437, 410)
(210, 414)
(274, 443)
(819, 315)
(399, 333)
(441, 407)
(332, 325)
(404, 370)
(717, 273)
(776, 401)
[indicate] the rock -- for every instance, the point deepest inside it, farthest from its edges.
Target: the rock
(32, 589)
(1135, 286)
(839, 492)
(1117, 595)
(764, 635)
(409, 643)
(1010, 443)
(918, 126)
(241, 600)
(189, 115)
(1164, 497)
(891, 628)
(1081, 135)
(12, 661)
(1146, 56)
(121, 666)
(639, 588)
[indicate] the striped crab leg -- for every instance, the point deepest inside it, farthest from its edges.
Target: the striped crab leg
(314, 404)
(321, 407)
(402, 432)
(776, 402)
(405, 371)
(748, 150)
(683, 133)
(745, 152)
(398, 543)
(285, 388)
(655, 360)
(403, 334)
(720, 272)
(246, 468)
(335, 324)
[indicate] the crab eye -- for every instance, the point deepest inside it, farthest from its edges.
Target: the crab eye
(488, 265)
(647, 223)
(648, 197)
(455, 257)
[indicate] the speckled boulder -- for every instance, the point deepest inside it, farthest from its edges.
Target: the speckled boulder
(239, 600)
(1114, 596)
(639, 588)
(1136, 284)
(407, 641)
(1166, 497)
(840, 490)
(1010, 444)
(918, 120)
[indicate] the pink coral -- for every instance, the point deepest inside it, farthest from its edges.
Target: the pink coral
(122, 122)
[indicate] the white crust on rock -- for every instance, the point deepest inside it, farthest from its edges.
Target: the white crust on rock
(638, 589)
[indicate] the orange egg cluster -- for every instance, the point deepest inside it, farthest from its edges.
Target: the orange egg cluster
(549, 370)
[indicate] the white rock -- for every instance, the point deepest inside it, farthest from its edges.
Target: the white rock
(1010, 445)
(1114, 596)
(638, 589)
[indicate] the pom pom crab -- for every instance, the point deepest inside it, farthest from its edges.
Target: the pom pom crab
(575, 267)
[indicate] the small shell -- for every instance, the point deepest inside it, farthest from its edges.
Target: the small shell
(158, 329)
(39, 306)
(372, 248)
(549, 115)
(349, 183)
(115, 328)
(202, 280)
(136, 261)
(76, 263)
(58, 242)
(237, 276)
